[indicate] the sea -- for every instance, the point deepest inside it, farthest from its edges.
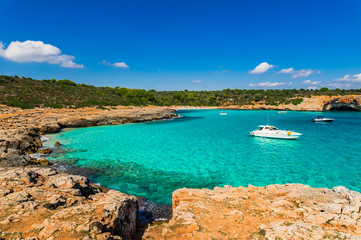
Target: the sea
(203, 149)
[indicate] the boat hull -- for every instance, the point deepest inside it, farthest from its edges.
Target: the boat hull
(287, 136)
(324, 120)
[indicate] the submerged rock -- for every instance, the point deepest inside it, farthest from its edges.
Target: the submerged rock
(44, 151)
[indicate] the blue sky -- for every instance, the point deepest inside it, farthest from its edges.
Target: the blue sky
(174, 44)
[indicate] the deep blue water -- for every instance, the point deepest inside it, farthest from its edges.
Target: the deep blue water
(203, 149)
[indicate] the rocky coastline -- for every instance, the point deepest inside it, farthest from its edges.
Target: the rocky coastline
(313, 103)
(38, 202)
(291, 211)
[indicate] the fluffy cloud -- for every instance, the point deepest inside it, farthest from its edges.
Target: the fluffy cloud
(116, 64)
(298, 73)
(120, 65)
(37, 51)
(269, 84)
(287, 70)
(196, 81)
(311, 82)
(262, 68)
(340, 85)
(349, 78)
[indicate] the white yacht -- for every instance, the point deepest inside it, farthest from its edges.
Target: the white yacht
(322, 119)
(268, 131)
(223, 113)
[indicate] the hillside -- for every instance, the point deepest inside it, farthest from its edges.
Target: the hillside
(29, 93)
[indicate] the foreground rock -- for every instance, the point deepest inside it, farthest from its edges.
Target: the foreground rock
(291, 211)
(20, 130)
(40, 203)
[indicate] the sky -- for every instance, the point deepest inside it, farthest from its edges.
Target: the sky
(184, 44)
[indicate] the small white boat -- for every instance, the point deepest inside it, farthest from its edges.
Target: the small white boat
(282, 111)
(322, 119)
(223, 113)
(268, 131)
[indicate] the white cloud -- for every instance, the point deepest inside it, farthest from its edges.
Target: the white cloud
(312, 88)
(116, 64)
(269, 84)
(311, 82)
(196, 81)
(299, 73)
(120, 65)
(340, 85)
(37, 51)
(287, 70)
(349, 78)
(262, 68)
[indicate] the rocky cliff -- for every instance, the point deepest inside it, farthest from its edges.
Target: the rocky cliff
(314, 103)
(20, 130)
(291, 211)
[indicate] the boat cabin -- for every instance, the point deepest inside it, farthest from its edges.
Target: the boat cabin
(261, 127)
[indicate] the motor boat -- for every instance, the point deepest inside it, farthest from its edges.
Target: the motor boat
(268, 131)
(282, 111)
(322, 119)
(223, 113)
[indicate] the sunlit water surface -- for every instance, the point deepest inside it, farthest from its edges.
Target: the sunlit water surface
(204, 149)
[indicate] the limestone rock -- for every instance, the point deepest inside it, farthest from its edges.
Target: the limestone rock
(291, 211)
(20, 130)
(40, 203)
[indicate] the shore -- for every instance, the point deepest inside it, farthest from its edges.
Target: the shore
(67, 206)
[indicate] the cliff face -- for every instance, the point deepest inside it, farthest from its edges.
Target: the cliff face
(314, 103)
(40, 203)
(292, 211)
(20, 130)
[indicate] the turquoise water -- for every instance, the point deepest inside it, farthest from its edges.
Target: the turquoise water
(203, 149)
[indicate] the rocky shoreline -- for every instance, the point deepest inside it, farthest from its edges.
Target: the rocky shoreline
(291, 211)
(64, 206)
(20, 130)
(314, 103)
(38, 202)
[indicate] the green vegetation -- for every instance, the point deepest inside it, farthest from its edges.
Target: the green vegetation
(29, 93)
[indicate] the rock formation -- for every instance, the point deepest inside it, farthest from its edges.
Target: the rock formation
(40, 203)
(314, 103)
(20, 130)
(291, 211)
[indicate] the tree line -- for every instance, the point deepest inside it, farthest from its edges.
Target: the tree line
(29, 93)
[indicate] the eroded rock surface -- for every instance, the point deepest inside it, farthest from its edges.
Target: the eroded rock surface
(40, 203)
(20, 130)
(314, 103)
(291, 211)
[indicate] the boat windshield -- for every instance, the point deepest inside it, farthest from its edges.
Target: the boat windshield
(270, 128)
(320, 117)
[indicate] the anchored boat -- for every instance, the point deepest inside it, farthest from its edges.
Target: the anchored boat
(322, 119)
(268, 131)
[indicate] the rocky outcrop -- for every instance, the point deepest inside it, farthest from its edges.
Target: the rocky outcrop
(20, 130)
(345, 103)
(291, 211)
(40, 203)
(314, 103)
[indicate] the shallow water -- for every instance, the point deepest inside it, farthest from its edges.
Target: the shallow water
(203, 149)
